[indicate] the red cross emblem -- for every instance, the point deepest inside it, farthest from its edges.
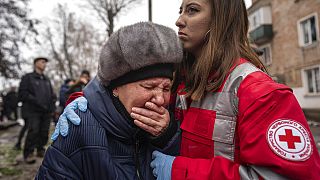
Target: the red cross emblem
(290, 139)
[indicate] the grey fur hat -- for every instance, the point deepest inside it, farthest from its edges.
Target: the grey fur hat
(139, 51)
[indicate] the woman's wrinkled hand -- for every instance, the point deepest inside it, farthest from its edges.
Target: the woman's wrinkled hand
(151, 118)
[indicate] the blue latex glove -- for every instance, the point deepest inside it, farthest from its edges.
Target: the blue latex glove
(69, 114)
(161, 165)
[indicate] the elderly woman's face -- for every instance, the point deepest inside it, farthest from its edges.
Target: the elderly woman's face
(136, 94)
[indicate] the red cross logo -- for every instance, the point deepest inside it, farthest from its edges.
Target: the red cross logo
(290, 139)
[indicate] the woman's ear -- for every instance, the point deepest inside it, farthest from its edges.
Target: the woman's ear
(115, 92)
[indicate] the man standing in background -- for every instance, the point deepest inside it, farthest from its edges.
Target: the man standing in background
(38, 98)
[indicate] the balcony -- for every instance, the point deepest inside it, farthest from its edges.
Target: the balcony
(261, 34)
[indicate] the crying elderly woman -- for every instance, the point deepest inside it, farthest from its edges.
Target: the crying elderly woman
(135, 70)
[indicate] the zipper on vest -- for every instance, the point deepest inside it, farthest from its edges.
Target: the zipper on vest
(136, 155)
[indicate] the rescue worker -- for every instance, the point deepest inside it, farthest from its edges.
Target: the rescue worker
(135, 70)
(236, 122)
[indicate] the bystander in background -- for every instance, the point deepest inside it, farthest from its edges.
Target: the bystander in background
(38, 98)
(62, 97)
(10, 104)
(79, 84)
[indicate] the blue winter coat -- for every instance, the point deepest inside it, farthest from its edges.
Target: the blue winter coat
(103, 146)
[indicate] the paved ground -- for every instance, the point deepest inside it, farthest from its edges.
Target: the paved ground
(10, 169)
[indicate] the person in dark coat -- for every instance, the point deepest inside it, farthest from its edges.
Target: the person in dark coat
(79, 84)
(62, 98)
(63, 90)
(135, 70)
(38, 98)
(11, 104)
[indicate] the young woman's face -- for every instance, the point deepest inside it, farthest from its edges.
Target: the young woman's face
(193, 23)
(136, 94)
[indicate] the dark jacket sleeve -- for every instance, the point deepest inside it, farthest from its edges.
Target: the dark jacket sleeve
(24, 91)
(56, 166)
(62, 95)
(54, 98)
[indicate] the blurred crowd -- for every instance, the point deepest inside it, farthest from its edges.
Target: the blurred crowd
(35, 105)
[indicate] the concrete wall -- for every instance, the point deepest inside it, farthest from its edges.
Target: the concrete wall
(261, 16)
(306, 101)
(289, 58)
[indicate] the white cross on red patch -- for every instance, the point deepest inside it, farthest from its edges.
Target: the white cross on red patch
(289, 140)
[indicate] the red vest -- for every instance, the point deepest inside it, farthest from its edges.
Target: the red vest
(225, 133)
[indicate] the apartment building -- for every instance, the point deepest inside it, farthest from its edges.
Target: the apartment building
(287, 31)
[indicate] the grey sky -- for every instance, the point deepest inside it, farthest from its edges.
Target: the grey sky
(164, 11)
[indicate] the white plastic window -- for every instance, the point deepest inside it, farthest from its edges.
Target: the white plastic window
(308, 31)
(313, 79)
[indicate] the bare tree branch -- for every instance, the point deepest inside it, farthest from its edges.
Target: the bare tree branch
(108, 10)
(66, 23)
(74, 44)
(55, 53)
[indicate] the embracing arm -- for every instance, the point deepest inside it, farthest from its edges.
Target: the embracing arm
(257, 158)
(62, 126)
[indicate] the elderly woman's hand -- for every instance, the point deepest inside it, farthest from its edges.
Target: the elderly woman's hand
(153, 119)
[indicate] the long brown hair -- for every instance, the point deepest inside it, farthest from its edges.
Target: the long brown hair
(226, 43)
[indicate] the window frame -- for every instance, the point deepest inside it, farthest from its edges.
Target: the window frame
(270, 55)
(300, 30)
(306, 80)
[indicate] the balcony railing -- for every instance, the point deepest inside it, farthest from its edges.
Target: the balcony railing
(261, 34)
